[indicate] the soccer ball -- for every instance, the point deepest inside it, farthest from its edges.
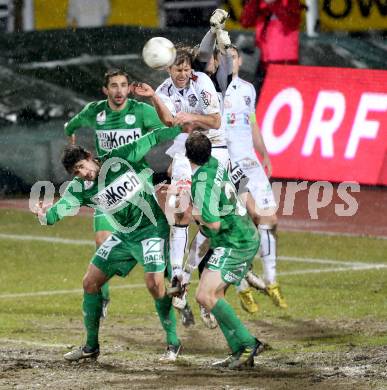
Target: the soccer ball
(159, 53)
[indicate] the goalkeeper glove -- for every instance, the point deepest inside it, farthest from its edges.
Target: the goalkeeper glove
(218, 19)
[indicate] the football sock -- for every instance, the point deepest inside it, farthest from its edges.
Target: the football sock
(268, 252)
(92, 308)
(232, 341)
(105, 291)
(178, 243)
(226, 315)
(167, 318)
(243, 286)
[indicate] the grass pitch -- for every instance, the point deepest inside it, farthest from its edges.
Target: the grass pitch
(335, 287)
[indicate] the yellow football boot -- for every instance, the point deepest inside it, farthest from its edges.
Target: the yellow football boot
(247, 301)
(274, 292)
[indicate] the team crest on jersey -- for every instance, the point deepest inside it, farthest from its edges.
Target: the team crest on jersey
(206, 98)
(192, 100)
(130, 119)
(115, 167)
(247, 100)
(101, 117)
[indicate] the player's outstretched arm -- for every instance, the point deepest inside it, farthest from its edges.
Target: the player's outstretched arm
(68, 205)
(137, 150)
(145, 90)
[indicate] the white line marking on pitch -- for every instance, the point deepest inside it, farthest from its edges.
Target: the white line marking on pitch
(351, 267)
(348, 266)
(35, 343)
(55, 240)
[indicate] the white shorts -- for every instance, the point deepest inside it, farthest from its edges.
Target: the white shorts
(221, 154)
(258, 184)
(181, 170)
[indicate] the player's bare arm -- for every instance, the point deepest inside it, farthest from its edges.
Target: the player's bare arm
(145, 90)
(260, 147)
(209, 121)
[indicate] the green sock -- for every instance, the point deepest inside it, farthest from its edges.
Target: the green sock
(225, 315)
(232, 341)
(92, 308)
(105, 291)
(167, 318)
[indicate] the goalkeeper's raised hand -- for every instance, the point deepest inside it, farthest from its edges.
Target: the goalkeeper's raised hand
(218, 19)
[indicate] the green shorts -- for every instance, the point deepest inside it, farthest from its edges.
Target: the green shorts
(120, 253)
(233, 264)
(101, 223)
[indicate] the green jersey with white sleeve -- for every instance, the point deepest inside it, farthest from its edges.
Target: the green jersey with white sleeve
(123, 190)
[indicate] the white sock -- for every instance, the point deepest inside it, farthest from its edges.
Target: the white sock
(244, 285)
(268, 251)
(195, 257)
(178, 244)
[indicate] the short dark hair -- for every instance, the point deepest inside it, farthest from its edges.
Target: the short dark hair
(111, 73)
(73, 154)
(198, 148)
(184, 54)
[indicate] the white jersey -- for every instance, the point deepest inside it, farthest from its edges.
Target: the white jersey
(238, 106)
(200, 97)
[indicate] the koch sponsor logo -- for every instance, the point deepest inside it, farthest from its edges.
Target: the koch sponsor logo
(110, 139)
(121, 190)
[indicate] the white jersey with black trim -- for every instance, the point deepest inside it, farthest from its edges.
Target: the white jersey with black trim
(238, 106)
(199, 97)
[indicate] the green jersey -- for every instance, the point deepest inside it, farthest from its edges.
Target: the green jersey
(122, 190)
(215, 198)
(115, 128)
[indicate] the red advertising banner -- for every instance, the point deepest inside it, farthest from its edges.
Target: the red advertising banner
(323, 123)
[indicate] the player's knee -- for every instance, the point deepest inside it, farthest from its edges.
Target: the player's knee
(90, 285)
(201, 298)
(155, 287)
(205, 298)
